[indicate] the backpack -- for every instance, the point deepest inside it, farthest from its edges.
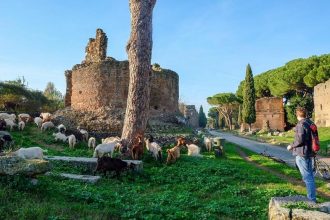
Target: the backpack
(315, 137)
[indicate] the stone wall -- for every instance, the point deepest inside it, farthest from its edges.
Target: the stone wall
(191, 115)
(322, 104)
(269, 109)
(101, 82)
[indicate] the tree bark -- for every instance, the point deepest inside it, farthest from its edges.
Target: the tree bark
(139, 48)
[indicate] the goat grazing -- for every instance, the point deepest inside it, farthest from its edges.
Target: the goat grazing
(38, 121)
(3, 125)
(24, 117)
(46, 116)
(154, 148)
(21, 125)
(30, 153)
(208, 143)
(84, 133)
(60, 136)
(193, 150)
(11, 124)
(72, 141)
(110, 139)
(107, 148)
(91, 142)
(105, 164)
(174, 153)
(61, 128)
(47, 125)
(137, 148)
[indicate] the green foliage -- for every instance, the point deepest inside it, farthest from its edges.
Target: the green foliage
(182, 190)
(202, 120)
(298, 101)
(223, 99)
(248, 110)
(213, 115)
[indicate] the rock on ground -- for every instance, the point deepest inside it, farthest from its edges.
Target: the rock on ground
(11, 165)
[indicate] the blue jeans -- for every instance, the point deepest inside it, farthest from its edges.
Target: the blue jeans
(306, 169)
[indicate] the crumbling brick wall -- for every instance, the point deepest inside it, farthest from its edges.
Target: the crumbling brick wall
(269, 109)
(103, 82)
(322, 104)
(190, 113)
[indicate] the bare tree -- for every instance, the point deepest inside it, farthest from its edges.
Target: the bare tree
(139, 49)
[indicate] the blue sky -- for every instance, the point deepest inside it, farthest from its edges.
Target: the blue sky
(207, 42)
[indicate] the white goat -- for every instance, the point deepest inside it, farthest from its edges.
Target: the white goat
(7, 116)
(208, 143)
(24, 117)
(107, 148)
(60, 136)
(91, 142)
(193, 150)
(72, 141)
(84, 133)
(30, 153)
(61, 128)
(154, 148)
(10, 123)
(46, 125)
(21, 125)
(38, 121)
(46, 116)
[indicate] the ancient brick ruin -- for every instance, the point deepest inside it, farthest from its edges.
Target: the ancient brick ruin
(269, 112)
(191, 115)
(101, 82)
(322, 104)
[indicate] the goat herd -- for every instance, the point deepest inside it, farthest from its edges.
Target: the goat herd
(107, 147)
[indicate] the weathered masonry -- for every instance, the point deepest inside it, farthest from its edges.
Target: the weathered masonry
(101, 81)
(322, 104)
(269, 112)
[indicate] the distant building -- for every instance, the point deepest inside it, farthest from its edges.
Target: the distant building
(191, 115)
(322, 104)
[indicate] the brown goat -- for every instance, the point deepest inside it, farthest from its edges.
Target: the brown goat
(174, 153)
(137, 149)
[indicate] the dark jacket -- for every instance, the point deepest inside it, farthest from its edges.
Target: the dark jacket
(302, 145)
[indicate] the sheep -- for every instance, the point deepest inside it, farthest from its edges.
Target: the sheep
(75, 132)
(102, 149)
(46, 125)
(137, 148)
(38, 121)
(24, 117)
(21, 125)
(30, 153)
(105, 164)
(45, 116)
(61, 128)
(208, 143)
(193, 150)
(91, 142)
(110, 139)
(60, 136)
(72, 141)
(10, 123)
(153, 147)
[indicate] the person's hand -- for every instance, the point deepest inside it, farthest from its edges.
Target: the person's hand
(289, 147)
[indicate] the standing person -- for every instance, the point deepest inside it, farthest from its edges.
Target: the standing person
(302, 149)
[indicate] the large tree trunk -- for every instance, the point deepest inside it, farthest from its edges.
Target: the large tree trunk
(138, 49)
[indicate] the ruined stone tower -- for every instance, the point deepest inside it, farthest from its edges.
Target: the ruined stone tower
(101, 82)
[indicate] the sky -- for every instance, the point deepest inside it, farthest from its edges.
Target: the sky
(207, 42)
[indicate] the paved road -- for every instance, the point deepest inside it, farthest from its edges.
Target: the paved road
(258, 147)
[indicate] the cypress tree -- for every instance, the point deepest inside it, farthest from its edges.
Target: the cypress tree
(202, 120)
(249, 98)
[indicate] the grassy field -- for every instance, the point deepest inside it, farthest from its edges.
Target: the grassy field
(192, 188)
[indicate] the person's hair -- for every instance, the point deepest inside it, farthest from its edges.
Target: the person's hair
(301, 112)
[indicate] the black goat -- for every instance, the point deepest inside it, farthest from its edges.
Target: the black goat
(105, 164)
(3, 125)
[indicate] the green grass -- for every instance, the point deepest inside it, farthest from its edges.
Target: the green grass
(192, 188)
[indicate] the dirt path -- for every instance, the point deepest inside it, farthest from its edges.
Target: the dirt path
(299, 184)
